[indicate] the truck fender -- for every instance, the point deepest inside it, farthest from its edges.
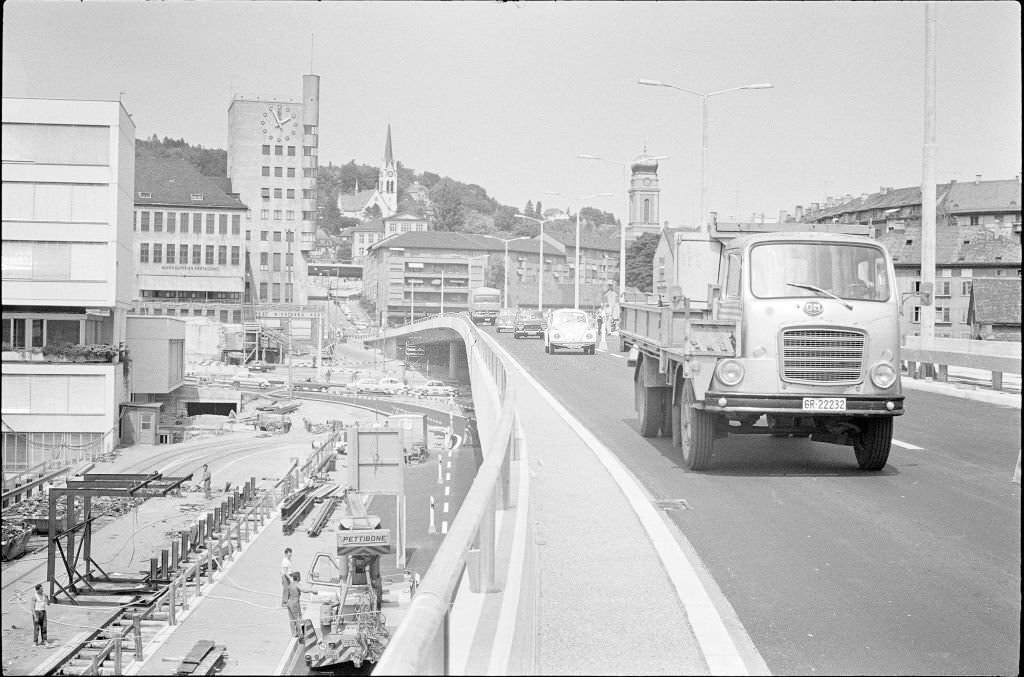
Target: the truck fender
(699, 371)
(646, 373)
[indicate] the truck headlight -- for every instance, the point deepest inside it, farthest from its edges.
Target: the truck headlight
(556, 336)
(729, 372)
(589, 336)
(883, 375)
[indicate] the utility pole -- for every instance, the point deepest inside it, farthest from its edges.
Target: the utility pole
(928, 185)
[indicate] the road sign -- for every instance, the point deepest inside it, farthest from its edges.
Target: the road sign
(288, 314)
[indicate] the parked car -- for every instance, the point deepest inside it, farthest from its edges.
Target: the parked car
(436, 389)
(505, 321)
(311, 385)
(251, 382)
(572, 329)
(391, 386)
(529, 323)
(365, 386)
(260, 365)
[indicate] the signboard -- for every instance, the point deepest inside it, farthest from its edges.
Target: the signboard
(364, 542)
(293, 314)
(375, 460)
(98, 312)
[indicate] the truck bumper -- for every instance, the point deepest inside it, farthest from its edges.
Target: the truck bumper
(856, 405)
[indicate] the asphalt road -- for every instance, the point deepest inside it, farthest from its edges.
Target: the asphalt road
(912, 570)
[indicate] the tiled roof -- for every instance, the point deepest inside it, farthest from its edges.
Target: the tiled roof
(173, 182)
(587, 240)
(405, 217)
(355, 203)
(1003, 195)
(955, 245)
(470, 242)
(996, 300)
(375, 225)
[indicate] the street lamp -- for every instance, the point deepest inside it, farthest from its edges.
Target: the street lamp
(412, 306)
(576, 281)
(513, 239)
(442, 287)
(704, 130)
(625, 215)
(540, 271)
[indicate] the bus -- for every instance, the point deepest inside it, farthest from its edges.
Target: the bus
(484, 304)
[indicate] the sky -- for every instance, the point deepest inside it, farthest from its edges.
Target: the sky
(507, 95)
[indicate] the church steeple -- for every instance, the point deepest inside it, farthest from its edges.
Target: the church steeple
(387, 183)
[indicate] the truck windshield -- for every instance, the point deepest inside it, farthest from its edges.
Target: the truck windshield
(847, 271)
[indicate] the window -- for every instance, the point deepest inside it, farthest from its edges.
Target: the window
(732, 280)
(158, 222)
(197, 223)
(308, 216)
(55, 144)
(277, 214)
(170, 222)
(210, 224)
(291, 151)
(647, 210)
(291, 172)
(264, 235)
(278, 150)
(223, 224)
(265, 170)
(942, 314)
(264, 214)
(236, 224)
(963, 316)
(264, 260)
(975, 221)
(309, 129)
(209, 254)
(183, 253)
(158, 253)
(224, 316)
(143, 253)
(170, 253)
(288, 293)
(198, 197)
(53, 202)
(290, 193)
(307, 150)
(307, 194)
(309, 172)
(917, 315)
(277, 262)
(265, 193)
(277, 236)
(289, 214)
(277, 193)
(289, 260)
(235, 255)
(942, 287)
(248, 235)
(222, 255)
(144, 222)
(278, 171)
(236, 316)
(266, 149)
(275, 294)
(290, 236)
(197, 254)
(263, 291)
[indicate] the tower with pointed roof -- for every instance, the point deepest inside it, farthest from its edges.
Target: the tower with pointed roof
(387, 180)
(644, 197)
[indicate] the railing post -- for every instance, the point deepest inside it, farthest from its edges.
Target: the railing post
(997, 380)
(172, 618)
(118, 670)
(943, 374)
(137, 635)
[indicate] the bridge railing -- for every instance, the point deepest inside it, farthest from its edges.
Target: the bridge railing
(997, 357)
(421, 643)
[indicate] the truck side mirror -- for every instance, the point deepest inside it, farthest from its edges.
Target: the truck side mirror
(927, 289)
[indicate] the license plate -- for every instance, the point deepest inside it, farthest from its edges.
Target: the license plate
(824, 404)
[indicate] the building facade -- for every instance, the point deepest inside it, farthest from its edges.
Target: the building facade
(272, 165)
(189, 244)
(384, 197)
(644, 198)
(68, 175)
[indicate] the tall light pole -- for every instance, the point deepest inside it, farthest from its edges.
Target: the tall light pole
(540, 269)
(576, 281)
(506, 241)
(702, 220)
(625, 214)
(412, 307)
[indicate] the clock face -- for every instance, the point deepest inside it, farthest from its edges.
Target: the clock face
(277, 123)
(390, 173)
(647, 182)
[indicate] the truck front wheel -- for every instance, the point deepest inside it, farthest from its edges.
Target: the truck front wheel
(873, 443)
(696, 431)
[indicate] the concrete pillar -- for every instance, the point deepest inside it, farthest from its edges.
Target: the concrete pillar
(453, 359)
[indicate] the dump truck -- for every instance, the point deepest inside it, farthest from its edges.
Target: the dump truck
(787, 330)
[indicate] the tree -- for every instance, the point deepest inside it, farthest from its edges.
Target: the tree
(640, 262)
(448, 213)
(373, 211)
(528, 209)
(494, 274)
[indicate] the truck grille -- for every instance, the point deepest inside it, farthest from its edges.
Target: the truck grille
(826, 356)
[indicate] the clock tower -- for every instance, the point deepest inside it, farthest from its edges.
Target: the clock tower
(644, 197)
(387, 180)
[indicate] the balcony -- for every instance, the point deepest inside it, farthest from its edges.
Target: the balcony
(101, 353)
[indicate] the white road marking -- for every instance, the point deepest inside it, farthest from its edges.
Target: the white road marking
(448, 477)
(447, 491)
(905, 445)
(444, 527)
(445, 509)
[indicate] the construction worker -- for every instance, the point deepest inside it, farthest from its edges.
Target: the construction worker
(39, 603)
(204, 478)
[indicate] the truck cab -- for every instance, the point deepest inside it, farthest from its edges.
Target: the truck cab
(484, 304)
(788, 333)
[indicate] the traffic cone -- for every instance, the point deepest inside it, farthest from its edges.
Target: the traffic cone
(431, 529)
(1016, 471)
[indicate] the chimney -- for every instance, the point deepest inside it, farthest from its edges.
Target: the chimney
(952, 181)
(977, 179)
(799, 211)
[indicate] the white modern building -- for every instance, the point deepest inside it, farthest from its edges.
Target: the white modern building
(68, 175)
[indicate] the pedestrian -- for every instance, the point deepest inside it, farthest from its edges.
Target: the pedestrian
(204, 478)
(39, 603)
(293, 602)
(286, 573)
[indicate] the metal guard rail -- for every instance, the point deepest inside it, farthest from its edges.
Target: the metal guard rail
(420, 644)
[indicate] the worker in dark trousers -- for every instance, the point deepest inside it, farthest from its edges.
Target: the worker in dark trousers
(39, 603)
(204, 478)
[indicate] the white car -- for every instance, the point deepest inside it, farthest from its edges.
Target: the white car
(391, 386)
(571, 329)
(364, 385)
(435, 389)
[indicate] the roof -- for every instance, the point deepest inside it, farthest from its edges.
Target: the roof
(356, 202)
(173, 182)
(373, 225)
(956, 245)
(404, 216)
(996, 300)
(473, 242)
(1002, 195)
(587, 240)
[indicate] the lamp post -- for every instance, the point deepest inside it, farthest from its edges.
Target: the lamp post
(540, 270)
(576, 281)
(704, 131)
(412, 306)
(625, 214)
(513, 239)
(442, 288)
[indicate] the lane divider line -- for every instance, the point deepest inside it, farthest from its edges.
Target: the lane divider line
(907, 445)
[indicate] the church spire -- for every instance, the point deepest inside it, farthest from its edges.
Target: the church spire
(388, 159)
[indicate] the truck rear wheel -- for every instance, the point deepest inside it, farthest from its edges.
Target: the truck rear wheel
(651, 407)
(696, 431)
(873, 443)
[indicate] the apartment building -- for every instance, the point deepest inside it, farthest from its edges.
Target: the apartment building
(68, 175)
(189, 243)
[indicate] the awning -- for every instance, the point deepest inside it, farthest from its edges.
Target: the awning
(190, 283)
